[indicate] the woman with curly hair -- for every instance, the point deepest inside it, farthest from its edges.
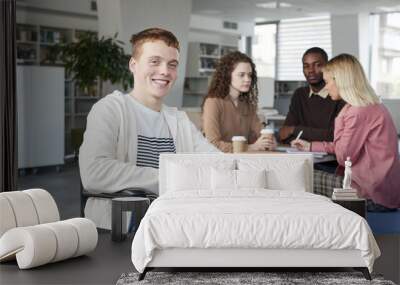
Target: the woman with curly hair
(230, 108)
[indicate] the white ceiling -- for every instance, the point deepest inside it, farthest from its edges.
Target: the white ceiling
(247, 10)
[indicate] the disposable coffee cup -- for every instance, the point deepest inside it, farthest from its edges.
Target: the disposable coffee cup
(239, 144)
(267, 133)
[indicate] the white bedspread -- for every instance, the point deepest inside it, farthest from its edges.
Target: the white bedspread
(250, 219)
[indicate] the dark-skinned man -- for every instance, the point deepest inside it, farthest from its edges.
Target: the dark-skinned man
(311, 109)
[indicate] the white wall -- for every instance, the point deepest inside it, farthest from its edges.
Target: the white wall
(203, 36)
(128, 17)
(108, 13)
(393, 106)
(350, 34)
(216, 25)
(266, 90)
(211, 30)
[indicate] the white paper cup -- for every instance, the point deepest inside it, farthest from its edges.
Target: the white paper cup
(267, 132)
(239, 144)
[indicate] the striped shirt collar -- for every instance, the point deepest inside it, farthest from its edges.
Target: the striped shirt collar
(322, 93)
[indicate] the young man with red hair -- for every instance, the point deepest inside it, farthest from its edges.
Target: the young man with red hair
(126, 133)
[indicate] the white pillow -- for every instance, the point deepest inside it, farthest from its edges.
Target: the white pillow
(222, 179)
(251, 178)
(183, 178)
(282, 174)
(193, 176)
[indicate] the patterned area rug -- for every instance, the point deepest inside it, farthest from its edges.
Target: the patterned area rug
(270, 278)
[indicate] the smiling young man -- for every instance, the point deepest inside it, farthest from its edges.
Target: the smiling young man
(126, 133)
(311, 109)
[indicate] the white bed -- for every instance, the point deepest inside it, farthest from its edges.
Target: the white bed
(249, 210)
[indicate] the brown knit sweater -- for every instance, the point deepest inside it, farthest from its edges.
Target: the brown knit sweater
(222, 120)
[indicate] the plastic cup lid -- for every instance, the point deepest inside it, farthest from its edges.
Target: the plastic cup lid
(266, 131)
(239, 139)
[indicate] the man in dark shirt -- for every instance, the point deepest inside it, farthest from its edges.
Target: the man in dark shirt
(311, 109)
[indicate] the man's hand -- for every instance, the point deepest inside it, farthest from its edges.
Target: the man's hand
(285, 132)
(301, 145)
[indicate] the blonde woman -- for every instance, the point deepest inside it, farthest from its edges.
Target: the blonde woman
(365, 132)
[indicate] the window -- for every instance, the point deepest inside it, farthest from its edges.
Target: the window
(295, 36)
(264, 49)
(385, 54)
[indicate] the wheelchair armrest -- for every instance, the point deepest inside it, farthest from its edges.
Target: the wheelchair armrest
(128, 192)
(134, 192)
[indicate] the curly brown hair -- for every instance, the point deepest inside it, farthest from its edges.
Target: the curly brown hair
(221, 80)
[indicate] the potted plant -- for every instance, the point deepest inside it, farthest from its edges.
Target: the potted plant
(90, 61)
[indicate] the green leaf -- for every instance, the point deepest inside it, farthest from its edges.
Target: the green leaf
(92, 59)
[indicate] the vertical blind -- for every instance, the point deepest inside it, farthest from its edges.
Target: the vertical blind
(295, 36)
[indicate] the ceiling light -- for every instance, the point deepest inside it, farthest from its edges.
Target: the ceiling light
(274, 5)
(260, 19)
(389, 9)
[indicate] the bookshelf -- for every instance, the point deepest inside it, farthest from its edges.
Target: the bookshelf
(27, 44)
(201, 63)
(33, 43)
(203, 58)
(77, 107)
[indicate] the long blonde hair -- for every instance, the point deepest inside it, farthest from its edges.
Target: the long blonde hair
(351, 82)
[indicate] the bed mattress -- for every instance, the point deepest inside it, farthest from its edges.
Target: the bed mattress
(250, 219)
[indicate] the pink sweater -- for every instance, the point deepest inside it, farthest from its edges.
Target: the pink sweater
(368, 136)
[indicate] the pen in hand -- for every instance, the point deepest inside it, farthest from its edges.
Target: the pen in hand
(301, 144)
(299, 135)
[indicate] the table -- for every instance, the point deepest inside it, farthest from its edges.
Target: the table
(282, 149)
(104, 265)
(358, 206)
